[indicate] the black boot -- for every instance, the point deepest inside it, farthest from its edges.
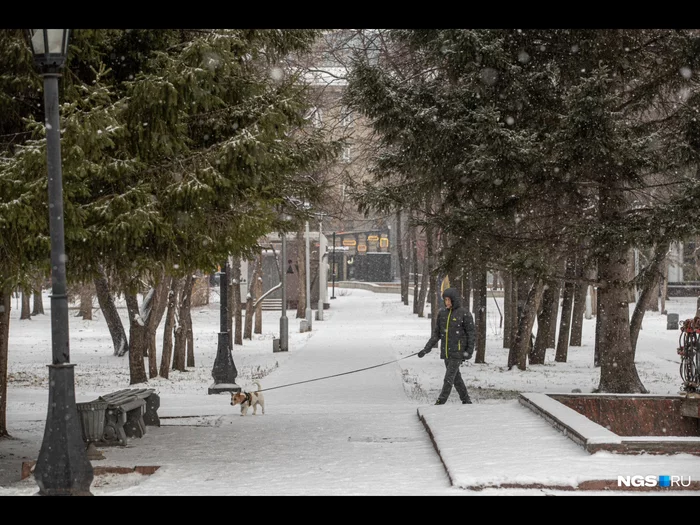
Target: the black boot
(467, 402)
(438, 402)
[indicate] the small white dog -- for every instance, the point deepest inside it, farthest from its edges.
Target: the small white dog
(248, 399)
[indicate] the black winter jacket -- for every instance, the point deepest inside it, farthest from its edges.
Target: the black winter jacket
(455, 329)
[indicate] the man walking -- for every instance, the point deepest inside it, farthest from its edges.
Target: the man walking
(455, 329)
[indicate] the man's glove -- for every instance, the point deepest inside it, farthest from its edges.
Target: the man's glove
(422, 353)
(468, 355)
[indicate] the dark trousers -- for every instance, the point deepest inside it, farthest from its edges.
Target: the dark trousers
(453, 377)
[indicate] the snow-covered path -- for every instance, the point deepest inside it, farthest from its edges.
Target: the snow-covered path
(357, 433)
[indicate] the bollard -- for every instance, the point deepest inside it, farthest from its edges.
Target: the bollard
(672, 322)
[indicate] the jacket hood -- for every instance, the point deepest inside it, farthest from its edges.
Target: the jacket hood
(453, 294)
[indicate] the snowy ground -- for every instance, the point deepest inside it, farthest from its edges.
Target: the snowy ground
(357, 432)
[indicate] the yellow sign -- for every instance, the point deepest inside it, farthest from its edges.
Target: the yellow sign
(349, 242)
(362, 248)
(373, 238)
(445, 284)
(384, 242)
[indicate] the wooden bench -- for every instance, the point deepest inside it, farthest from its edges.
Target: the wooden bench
(127, 414)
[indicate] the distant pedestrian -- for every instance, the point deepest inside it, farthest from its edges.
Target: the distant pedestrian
(455, 329)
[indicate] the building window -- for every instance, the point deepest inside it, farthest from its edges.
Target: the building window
(346, 117)
(316, 116)
(347, 154)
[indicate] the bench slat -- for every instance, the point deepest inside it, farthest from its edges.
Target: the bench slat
(122, 395)
(133, 391)
(117, 400)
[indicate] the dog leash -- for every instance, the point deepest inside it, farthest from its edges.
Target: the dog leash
(336, 375)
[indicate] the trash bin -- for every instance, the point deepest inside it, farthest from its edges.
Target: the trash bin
(672, 322)
(92, 422)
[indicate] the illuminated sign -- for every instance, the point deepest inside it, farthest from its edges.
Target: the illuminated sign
(384, 242)
(362, 248)
(373, 238)
(349, 242)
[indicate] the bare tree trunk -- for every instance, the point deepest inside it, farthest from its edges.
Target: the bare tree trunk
(143, 322)
(166, 356)
(521, 348)
(653, 300)
(403, 271)
(599, 342)
(181, 320)
(434, 291)
(423, 294)
(480, 316)
(457, 282)
(632, 297)
(579, 306)
(618, 373)
(248, 327)
(414, 262)
(163, 290)
(25, 312)
(111, 315)
(507, 301)
(515, 300)
(554, 313)
(137, 340)
(179, 346)
(258, 287)
(497, 281)
(250, 300)
(187, 313)
(469, 285)
(562, 349)
(436, 298)
(408, 264)
(154, 305)
(649, 288)
(544, 323)
(521, 291)
(230, 305)
(38, 307)
(86, 293)
(434, 294)
(236, 304)
(301, 283)
(594, 300)
(5, 306)
(664, 286)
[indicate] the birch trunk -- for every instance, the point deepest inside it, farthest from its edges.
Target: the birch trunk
(166, 356)
(111, 315)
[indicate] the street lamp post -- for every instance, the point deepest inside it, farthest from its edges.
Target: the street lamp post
(321, 278)
(308, 279)
(62, 468)
(333, 267)
(224, 371)
(284, 322)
